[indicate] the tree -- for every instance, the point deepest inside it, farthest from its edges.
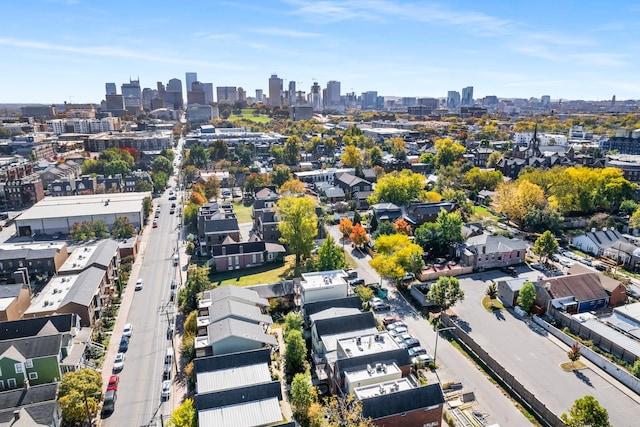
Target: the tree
(385, 228)
(375, 156)
(373, 224)
(399, 188)
(160, 180)
(302, 396)
(395, 255)
(429, 237)
(184, 415)
(293, 186)
(116, 167)
(450, 226)
(492, 291)
(357, 219)
(527, 296)
(330, 256)
(635, 370)
(280, 175)
(359, 236)
(365, 293)
(143, 186)
(292, 150)
(122, 228)
(345, 227)
(212, 187)
(447, 152)
(586, 412)
(493, 159)
(163, 164)
(197, 281)
(244, 152)
(168, 153)
(634, 221)
(628, 207)
(190, 215)
(299, 225)
(197, 198)
(190, 173)
(292, 322)
(197, 156)
(256, 180)
(545, 246)
(147, 205)
(574, 352)
(538, 220)
(295, 353)
(402, 226)
(398, 148)
(345, 412)
(351, 157)
(446, 292)
(219, 150)
(476, 179)
(80, 391)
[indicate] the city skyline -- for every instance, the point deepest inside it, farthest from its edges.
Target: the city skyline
(396, 48)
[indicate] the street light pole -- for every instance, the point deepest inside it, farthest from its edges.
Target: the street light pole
(435, 350)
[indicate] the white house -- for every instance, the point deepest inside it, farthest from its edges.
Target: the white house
(596, 242)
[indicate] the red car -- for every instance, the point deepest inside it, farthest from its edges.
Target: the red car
(113, 382)
(155, 224)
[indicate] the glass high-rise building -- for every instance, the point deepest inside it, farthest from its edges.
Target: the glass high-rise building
(110, 88)
(189, 79)
(275, 91)
(333, 94)
(467, 97)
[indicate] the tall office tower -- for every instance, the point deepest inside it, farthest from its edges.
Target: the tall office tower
(259, 95)
(161, 90)
(546, 101)
(196, 94)
(408, 101)
(227, 94)
(453, 100)
(242, 95)
(333, 94)
(301, 97)
(316, 98)
(467, 97)
(369, 100)
(173, 95)
(613, 100)
(132, 96)
(275, 91)
(115, 103)
(147, 95)
(110, 88)
(189, 79)
(208, 93)
(292, 92)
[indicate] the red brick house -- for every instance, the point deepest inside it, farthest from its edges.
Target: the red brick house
(232, 255)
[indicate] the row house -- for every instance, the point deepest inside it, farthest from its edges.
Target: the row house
(36, 258)
(16, 170)
(21, 193)
(232, 255)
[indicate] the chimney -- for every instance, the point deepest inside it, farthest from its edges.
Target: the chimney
(16, 414)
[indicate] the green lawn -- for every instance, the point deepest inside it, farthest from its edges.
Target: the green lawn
(247, 114)
(270, 273)
(480, 212)
(243, 213)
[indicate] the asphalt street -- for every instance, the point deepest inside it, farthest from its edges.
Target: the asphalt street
(453, 366)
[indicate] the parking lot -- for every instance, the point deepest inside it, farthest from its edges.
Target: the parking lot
(533, 357)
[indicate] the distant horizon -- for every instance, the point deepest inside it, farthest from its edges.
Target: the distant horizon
(69, 49)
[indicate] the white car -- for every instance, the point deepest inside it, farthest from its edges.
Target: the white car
(139, 285)
(166, 389)
(397, 331)
(118, 363)
(128, 330)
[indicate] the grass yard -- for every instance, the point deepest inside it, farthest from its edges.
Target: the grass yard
(481, 212)
(491, 304)
(269, 273)
(247, 114)
(243, 213)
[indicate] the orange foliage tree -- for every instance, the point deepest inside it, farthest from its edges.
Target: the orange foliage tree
(197, 198)
(402, 227)
(345, 227)
(359, 235)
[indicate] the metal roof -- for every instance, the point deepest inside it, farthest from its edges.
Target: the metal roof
(224, 379)
(256, 413)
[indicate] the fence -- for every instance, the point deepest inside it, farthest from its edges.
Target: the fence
(620, 374)
(509, 381)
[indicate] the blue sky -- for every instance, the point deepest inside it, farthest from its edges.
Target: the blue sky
(65, 50)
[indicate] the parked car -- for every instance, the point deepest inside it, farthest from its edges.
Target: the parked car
(352, 274)
(412, 342)
(398, 330)
(118, 363)
(380, 306)
(109, 403)
(166, 389)
(537, 266)
(566, 263)
(600, 267)
(139, 285)
(128, 330)
(397, 324)
(155, 224)
(555, 257)
(388, 320)
(124, 345)
(113, 382)
(586, 261)
(408, 277)
(422, 358)
(417, 351)
(356, 282)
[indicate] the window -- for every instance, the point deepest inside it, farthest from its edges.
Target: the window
(1, 385)
(18, 368)
(11, 383)
(28, 363)
(33, 375)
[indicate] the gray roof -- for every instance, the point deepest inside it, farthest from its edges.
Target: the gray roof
(62, 323)
(226, 328)
(232, 360)
(495, 244)
(338, 325)
(33, 347)
(605, 238)
(399, 356)
(318, 306)
(231, 291)
(39, 402)
(85, 287)
(10, 291)
(104, 253)
(220, 225)
(229, 308)
(334, 192)
(275, 290)
(403, 401)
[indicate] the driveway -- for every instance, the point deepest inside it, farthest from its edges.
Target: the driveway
(534, 358)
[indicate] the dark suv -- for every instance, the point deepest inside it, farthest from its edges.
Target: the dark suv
(510, 270)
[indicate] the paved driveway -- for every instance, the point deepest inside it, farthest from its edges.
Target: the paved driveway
(530, 355)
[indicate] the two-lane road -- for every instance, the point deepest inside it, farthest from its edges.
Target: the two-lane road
(139, 402)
